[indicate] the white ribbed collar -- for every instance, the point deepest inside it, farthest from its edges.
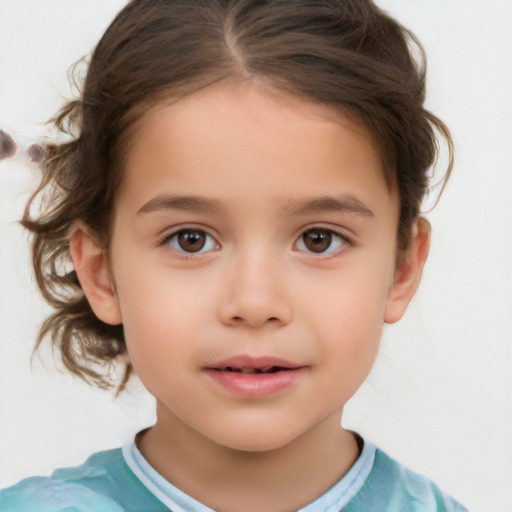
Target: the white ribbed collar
(333, 500)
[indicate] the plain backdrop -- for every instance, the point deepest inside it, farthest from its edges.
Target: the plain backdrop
(440, 396)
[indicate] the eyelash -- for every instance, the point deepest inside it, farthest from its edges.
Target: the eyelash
(323, 233)
(172, 241)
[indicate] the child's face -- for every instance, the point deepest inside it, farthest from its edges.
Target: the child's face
(251, 231)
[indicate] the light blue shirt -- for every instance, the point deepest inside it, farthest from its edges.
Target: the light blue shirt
(122, 480)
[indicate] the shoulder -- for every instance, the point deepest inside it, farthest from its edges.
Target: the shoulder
(392, 487)
(91, 486)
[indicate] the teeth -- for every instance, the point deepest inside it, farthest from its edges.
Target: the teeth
(251, 371)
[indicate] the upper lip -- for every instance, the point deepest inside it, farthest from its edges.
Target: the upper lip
(252, 363)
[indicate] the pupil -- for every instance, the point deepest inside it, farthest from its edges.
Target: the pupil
(191, 241)
(317, 241)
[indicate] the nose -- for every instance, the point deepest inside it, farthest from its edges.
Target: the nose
(254, 293)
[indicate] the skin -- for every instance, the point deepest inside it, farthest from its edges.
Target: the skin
(258, 161)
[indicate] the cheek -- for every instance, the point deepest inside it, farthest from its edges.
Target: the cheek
(347, 316)
(352, 299)
(150, 313)
(160, 310)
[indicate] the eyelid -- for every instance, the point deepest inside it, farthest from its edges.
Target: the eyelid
(164, 239)
(184, 226)
(348, 240)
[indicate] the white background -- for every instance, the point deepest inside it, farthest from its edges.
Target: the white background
(440, 396)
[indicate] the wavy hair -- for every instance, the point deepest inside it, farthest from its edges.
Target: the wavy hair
(347, 54)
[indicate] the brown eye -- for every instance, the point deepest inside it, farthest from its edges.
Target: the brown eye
(192, 241)
(319, 241)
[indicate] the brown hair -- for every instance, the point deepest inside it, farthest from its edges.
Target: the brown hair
(347, 54)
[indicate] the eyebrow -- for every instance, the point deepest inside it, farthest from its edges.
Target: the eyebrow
(343, 203)
(175, 202)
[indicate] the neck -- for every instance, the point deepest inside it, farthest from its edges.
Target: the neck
(229, 480)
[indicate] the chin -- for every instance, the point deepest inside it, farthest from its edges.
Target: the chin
(255, 440)
(253, 446)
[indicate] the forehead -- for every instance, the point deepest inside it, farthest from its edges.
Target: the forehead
(221, 139)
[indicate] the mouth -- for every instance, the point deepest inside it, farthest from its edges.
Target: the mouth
(249, 365)
(255, 377)
(252, 371)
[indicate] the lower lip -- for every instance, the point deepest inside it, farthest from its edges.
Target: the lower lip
(256, 385)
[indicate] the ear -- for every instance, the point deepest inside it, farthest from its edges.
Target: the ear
(93, 270)
(408, 272)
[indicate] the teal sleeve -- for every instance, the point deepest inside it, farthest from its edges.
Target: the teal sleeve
(40, 494)
(104, 483)
(391, 487)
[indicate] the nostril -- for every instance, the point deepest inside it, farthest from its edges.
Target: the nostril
(237, 320)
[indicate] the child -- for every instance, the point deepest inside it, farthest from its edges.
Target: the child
(240, 203)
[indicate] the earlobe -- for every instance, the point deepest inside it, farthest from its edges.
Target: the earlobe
(408, 272)
(93, 271)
